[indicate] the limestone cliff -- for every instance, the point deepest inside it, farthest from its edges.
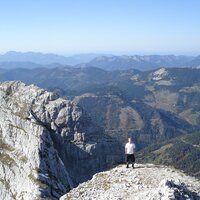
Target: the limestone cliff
(47, 144)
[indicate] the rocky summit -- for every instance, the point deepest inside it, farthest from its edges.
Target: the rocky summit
(145, 182)
(48, 145)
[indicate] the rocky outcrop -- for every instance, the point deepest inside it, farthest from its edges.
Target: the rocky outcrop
(117, 118)
(47, 144)
(147, 182)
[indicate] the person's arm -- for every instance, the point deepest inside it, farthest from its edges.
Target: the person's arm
(126, 149)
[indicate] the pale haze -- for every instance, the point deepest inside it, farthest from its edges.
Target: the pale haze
(106, 26)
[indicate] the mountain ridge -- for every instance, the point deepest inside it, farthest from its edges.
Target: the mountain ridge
(142, 63)
(146, 181)
(44, 58)
(104, 61)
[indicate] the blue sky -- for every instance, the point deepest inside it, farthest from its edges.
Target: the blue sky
(101, 26)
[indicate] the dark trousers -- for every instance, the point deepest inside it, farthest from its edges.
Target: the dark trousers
(130, 158)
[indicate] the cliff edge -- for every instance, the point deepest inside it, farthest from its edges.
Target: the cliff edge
(48, 145)
(145, 182)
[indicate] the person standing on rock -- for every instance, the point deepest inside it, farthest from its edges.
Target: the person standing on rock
(129, 151)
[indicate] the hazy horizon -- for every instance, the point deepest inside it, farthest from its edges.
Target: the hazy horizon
(107, 53)
(106, 27)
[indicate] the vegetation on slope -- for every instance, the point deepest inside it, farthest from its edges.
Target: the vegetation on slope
(182, 153)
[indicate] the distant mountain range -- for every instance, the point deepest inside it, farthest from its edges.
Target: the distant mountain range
(30, 60)
(143, 62)
(66, 78)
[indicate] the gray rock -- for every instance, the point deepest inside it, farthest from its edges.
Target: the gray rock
(47, 144)
(149, 182)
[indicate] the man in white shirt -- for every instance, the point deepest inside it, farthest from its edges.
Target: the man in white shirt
(129, 151)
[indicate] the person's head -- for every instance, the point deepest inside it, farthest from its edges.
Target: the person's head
(129, 140)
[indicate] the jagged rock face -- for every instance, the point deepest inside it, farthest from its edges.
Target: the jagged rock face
(121, 120)
(47, 144)
(117, 118)
(147, 182)
(29, 163)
